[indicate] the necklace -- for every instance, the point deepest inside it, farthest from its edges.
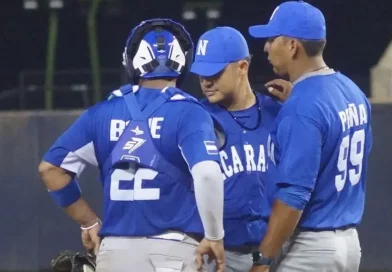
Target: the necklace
(258, 116)
(309, 74)
(320, 69)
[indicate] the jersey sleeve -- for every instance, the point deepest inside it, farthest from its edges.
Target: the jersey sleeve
(300, 142)
(74, 148)
(196, 136)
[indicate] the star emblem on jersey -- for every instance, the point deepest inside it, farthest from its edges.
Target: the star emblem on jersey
(137, 131)
(133, 144)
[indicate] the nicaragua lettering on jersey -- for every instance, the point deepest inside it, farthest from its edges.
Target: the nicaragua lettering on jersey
(243, 157)
(322, 142)
(244, 165)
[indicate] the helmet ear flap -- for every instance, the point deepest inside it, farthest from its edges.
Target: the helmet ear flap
(180, 56)
(144, 60)
(176, 60)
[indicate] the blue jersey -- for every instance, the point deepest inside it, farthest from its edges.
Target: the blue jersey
(147, 192)
(244, 162)
(322, 141)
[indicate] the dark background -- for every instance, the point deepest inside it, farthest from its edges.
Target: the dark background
(358, 33)
(32, 228)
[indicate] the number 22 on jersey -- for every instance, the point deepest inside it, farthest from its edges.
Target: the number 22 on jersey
(351, 153)
(137, 193)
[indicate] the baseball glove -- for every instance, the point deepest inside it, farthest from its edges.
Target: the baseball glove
(67, 261)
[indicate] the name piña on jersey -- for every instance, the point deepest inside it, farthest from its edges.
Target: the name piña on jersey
(254, 159)
(351, 149)
(353, 116)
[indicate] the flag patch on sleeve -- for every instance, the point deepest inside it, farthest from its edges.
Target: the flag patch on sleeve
(211, 147)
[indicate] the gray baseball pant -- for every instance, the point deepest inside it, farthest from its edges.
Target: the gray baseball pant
(235, 262)
(325, 251)
(173, 253)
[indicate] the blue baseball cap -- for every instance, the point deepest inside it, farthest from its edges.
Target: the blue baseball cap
(217, 48)
(295, 19)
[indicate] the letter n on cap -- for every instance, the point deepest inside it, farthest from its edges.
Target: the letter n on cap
(202, 47)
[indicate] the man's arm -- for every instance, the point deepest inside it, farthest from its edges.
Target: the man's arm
(281, 225)
(55, 180)
(197, 141)
(208, 184)
(300, 142)
(61, 165)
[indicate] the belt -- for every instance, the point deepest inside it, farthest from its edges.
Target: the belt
(351, 226)
(245, 249)
(176, 236)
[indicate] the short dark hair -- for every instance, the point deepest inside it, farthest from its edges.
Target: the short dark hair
(313, 48)
(248, 59)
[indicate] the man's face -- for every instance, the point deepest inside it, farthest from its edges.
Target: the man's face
(221, 86)
(279, 54)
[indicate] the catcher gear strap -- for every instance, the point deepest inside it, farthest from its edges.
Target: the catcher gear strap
(67, 261)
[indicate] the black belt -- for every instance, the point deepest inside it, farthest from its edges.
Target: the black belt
(245, 249)
(195, 236)
(351, 226)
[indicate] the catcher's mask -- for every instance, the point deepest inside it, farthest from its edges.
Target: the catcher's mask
(158, 48)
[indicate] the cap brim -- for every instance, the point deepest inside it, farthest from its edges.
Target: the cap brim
(262, 31)
(207, 69)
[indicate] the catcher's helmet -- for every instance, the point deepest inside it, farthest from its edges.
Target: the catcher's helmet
(158, 48)
(67, 261)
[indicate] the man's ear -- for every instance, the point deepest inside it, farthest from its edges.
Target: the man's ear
(294, 47)
(243, 66)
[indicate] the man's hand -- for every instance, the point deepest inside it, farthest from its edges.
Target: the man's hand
(259, 268)
(279, 88)
(215, 250)
(91, 240)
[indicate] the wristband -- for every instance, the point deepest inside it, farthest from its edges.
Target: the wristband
(67, 195)
(99, 222)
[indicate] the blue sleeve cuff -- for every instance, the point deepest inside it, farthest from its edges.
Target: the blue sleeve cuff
(294, 196)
